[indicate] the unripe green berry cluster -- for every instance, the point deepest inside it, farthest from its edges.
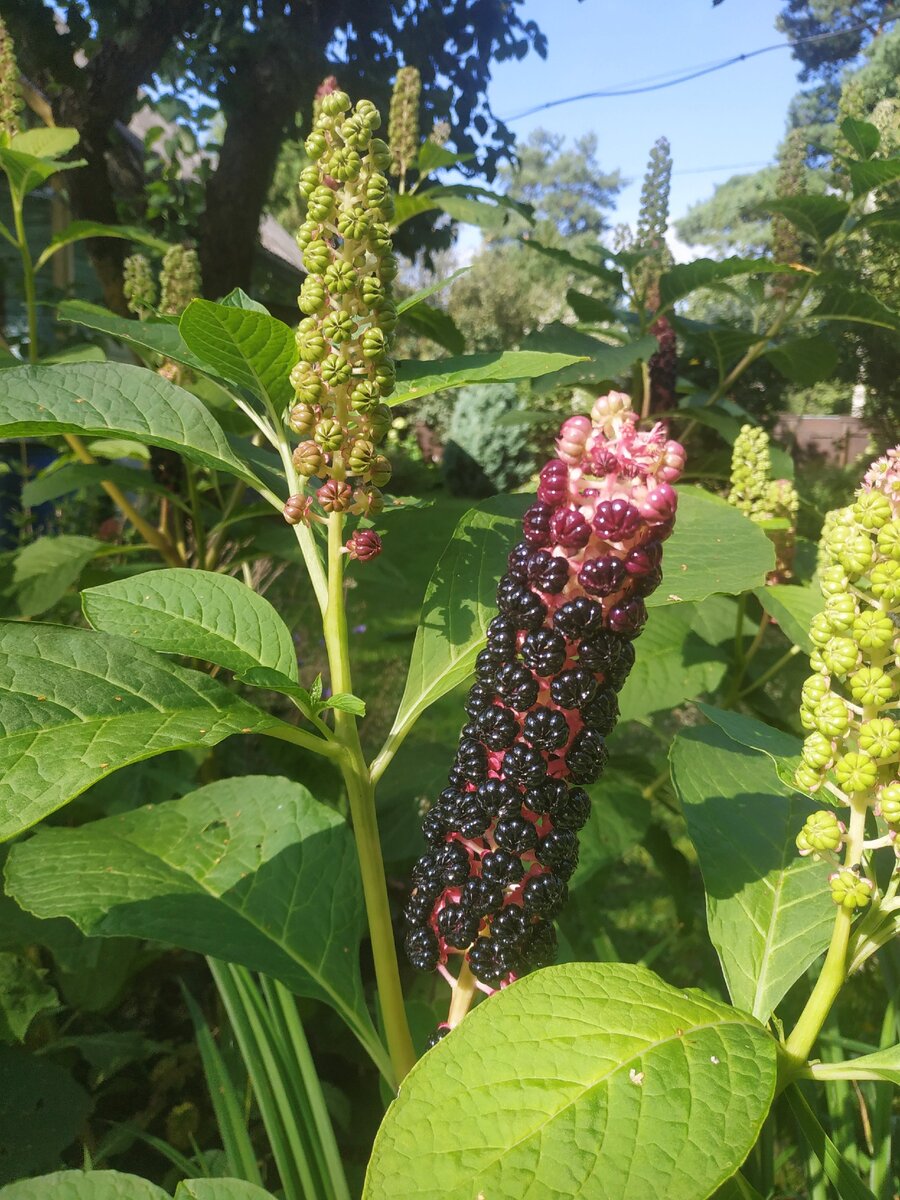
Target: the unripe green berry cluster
(10, 100)
(139, 285)
(344, 337)
(403, 119)
(762, 498)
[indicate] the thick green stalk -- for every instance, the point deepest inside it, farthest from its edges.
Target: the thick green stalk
(361, 796)
(27, 281)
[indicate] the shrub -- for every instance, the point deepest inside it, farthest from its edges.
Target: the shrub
(482, 455)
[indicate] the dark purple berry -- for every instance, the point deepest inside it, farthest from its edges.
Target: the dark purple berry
(544, 895)
(458, 926)
(509, 925)
(422, 949)
(517, 686)
(558, 850)
(539, 947)
(498, 727)
(544, 651)
(573, 688)
(580, 618)
(643, 559)
(569, 529)
(628, 617)
(481, 896)
(486, 666)
(417, 910)
(554, 485)
(500, 797)
(502, 639)
(472, 821)
(548, 572)
(602, 576)
(492, 961)
(524, 764)
(645, 585)
(502, 867)
(515, 834)
(478, 699)
(546, 797)
(617, 520)
(438, 1035)
(587, 756)
(536, 524)
(471, 760)
(602, 712)
(546, 728)
(452, 861)
(573, 810)
(434, 826)
(469, 731)
(603, 461)
(517, 563)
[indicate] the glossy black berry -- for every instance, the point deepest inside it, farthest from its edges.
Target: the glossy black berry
(544, 895)
(422, 949)
(478, 699)
(509, 925)
(417, 910)
(573, 810)
(558, 850)
(502, 638)
(472, 821)
(602, 576)
(645, 585)
(515, 834)
(471, 759)
(481, 896)
(546, 796)
(544, 651)
(579, 618)
(486, 665)
(453, 863)
(469, 730)
(599, 652)
(573, 688)
(498, 727)
(546, 728)
(438, 1035)
(547, 572)
(539, 947)
(536, 524)
(524, 764)
(502, 867)
(500, 797)
(434, 827)
(517, 686)
(517, 563)
(458, 926)
(587, 756)
(603, 711)
(520, 605)
(492, 961)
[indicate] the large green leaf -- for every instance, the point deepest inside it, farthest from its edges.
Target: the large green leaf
(877, 173)
(434, 323)
(679, 281)
(250, 870)
(818, 216)
(23, 994)
(714, 548)
(156, 337)
(769, 912)
(863, 137)
(805, 360)
(42, 1110)
(220, 1189)
(673, 664)
(417, 379)
(73, 476)
(114, 400)
(459, 604)
(84, 1185)
(594, 1080)
(199, 614)
(858, 307)
(249, 348)
(600, 360)
(793, 606)
(76, 705)
(77, 231)
(26, 172)
(34, 578)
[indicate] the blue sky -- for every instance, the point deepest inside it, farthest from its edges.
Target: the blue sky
(733, 116)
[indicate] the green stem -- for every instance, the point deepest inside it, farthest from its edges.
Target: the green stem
(27, 281)
(361, 795)
(318, 745)
(773, 670)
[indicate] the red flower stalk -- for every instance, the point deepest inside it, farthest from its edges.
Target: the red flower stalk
(503, 835)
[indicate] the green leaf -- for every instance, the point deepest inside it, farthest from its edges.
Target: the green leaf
(599, 360)
(446, 193)
(679, 281)
(417, 379)
(432, 157)
(817, 216)
(672, 664)
(586, 266)
(590, 309)
(805, 360)
(435, 324)
(793, 606)
(114, 400)
(77, 705)
(250, 870)
(84, 1185)
(769, 911)
(249, 348)
(238, 298)
(27, 171)
(858, 306)
(199, 614)
(883, 1064)
(155, 337)
(77, 231)
(48, 141)
(876, 173)
(780, 747)
(594, 1080)
(714, 548)
(862, 136)
(220, 1189)
(23, 995)
(837, 1170)
(73, 476)
(423, 293)
(620, 816)
(34, 578)
(460, 602)
(42, 1110)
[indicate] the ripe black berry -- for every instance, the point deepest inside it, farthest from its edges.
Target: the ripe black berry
(458, 926)
(558, 850)
(478, 699)
(579, 618)
(502, 639)
(500, 797)
(544, 651)
(509, 925)
(515, 834)
(547, 796)
(522, 763)
(422, 949)
(603, 711)
(498, 727)
(544, 894)
(573, 688)
(502, 867)
(471, 760)
(548, 572)
(573, 810)
(481, 896)
(546, 728)
(438, 1035)
(602, 576)
(453, 863)
(492, 961)
(517, 563)
(486, 665)
(587, 756)
(536, 524)
(472, 821)
(417, 910)
(517, 686)
(520, 605)
(434, 827)
(539, 947)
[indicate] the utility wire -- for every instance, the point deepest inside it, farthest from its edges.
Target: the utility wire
(637, 87)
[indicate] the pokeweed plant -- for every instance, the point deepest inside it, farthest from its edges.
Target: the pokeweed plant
(592, 1079)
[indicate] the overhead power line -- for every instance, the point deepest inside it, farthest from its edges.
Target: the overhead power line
(639, 86)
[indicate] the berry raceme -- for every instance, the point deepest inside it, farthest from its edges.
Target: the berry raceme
(344, 337)
(767, 501)
(503, 835)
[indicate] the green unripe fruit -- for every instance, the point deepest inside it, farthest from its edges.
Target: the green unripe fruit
(885, 581)
(385, 210)
(329, 434)
(377, 188)
(380, 238)
(841, 611)
(380, 422)
(336, 370)
(833, 580)
(889, 803)
(872, 510)
(306, 383)
(380, 154)
(380, 471)
(850, 890)
(366, 396)
(341, 277)
(373, 291)
(840, 655)
(353, 223)
(315, 145)
(815, 689)
(338, 327)
(871, 687)
(334, 103)
(312, 296)
(817, 752)
(308, 232)
(823, 833)
(856, 772)
(807, 779)
(344, 164)
(821, 631)
(880, 738)
(388, 267)
(309, 181)
(356, 134)
(831, 717)
(386, 317)
(889, 540)
(385, 376)
(856, 553)
(308, 460)
(310, 342)
(302, 419)
(374, 345)
(361, 457)
(317, 256)
(367, 112)
(873, 631)
(321, 202)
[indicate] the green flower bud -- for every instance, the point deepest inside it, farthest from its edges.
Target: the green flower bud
(807, 779)
(856, 772)
(10, 100)
(823, 833)
(888, 805)
(841, 611)
(377, 190)
(336, 370)
(321, 203)
(379, 422)
(354, 223)
(849, 889)
(137, 281)
(872, 510)
(361, 457)
(380, 154)
(871, 687)
(880, 738)
(307, 233)
(312, 296)
(854, 551)
(316, 256)
(329, 434)
(179, 279)
(344, 164)
(335, 103)
(840, 655)
(308, 459)
(380, 471)
(815, 661)
(302, 419)
(309, 181)
(374, 344)
(356, 134)
(817, 752)
(367, 112)
(873, 631)
(306, 383)
(889, 541)
(380, 238)
(315, 145)
(338, 327)
(366, 396)
(310, 342)
(403, 122)
(832, 718)
(341, 277)
(885, 581)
